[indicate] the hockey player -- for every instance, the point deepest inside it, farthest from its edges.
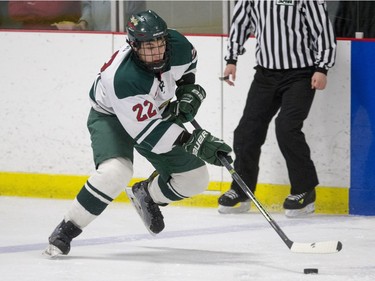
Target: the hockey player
(132, 107)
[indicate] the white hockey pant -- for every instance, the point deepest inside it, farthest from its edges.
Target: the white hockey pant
(182, 185)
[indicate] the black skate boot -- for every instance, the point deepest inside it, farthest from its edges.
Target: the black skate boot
(147, 209)
(59, 241)
(300, 204)
(233, 202)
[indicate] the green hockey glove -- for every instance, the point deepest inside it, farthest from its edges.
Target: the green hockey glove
(207, 147)
(189, 99)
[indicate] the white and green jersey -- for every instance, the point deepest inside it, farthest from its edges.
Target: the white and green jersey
(138, 98)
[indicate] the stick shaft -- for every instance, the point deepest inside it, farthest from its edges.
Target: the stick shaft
(249, 193)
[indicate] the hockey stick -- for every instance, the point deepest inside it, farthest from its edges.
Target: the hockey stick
(326, 247)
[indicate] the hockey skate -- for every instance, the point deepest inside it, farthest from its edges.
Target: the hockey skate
(59, 241)
(300, 204)
(231, 202)
(147, 209)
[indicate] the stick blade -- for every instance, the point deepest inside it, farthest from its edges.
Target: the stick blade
(327, 247)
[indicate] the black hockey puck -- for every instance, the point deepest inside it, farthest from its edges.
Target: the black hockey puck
(310, 271)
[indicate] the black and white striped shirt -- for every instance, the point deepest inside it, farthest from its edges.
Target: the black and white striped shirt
(290, 34)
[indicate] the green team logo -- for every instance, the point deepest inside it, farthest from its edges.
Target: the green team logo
(285, 2)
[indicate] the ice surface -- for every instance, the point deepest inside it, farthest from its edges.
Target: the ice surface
(197, 244)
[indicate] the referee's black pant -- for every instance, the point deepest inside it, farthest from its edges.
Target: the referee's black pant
(272, 90)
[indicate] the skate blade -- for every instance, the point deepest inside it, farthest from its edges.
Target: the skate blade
(52, 252)
(240, 208)
(138, 208)
(308, 210)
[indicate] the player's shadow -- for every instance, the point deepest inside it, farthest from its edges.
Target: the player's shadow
(168, 255)
(188, 256)
(180, 256)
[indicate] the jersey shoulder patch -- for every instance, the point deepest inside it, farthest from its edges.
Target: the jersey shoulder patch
(183, 51)
(131, 80)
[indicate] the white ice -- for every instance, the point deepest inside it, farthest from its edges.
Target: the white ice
(197, 244)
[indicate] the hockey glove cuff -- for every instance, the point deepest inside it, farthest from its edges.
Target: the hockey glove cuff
(189, 99)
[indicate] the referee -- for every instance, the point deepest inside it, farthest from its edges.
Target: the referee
(295, 47)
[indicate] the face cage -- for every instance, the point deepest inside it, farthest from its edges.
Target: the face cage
(152, 66)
